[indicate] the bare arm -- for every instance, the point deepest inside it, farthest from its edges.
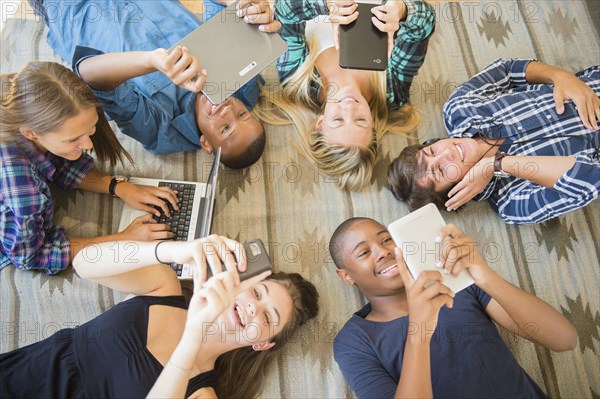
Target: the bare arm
(119, 264)
(208, 302)
(107, 71)
(511, 306)
(415, 380)
(426, 295)
(140, 197)
(529, 317)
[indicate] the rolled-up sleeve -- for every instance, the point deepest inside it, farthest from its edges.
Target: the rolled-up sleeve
(139, 116)
(293, 15)
(532, 203)
(410, 49)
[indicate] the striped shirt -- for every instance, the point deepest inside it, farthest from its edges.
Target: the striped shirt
(499, 103)
(410, 45)
(29, 240)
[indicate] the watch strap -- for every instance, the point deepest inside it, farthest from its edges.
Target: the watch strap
(113, 184)
(498, 172)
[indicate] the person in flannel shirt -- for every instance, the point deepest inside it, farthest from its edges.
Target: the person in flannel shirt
(341, 114)
(522, 134)
(49, 121)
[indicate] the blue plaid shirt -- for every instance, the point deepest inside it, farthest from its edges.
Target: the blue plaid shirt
(499, 103)
(28, 239)
(410, 45)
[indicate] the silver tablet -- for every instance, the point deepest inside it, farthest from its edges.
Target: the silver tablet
(415, 235)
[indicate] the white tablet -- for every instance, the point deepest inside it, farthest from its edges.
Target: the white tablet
(415, 235)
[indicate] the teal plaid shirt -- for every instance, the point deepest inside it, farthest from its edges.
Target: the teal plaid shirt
(407, 57)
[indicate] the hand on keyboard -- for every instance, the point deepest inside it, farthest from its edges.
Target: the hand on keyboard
(178, 219)
(148, 198)
(145, 228)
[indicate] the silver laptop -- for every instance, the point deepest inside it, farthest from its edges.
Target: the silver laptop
(196, 206)
(232, 52)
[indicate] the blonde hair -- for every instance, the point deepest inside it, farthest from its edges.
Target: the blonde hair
(293, 103)
(42, 96)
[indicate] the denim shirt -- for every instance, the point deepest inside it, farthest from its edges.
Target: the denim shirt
(149, 108)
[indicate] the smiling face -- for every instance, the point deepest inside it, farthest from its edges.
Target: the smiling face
(367, 254)
(446, 162)
(347, 119)
(70, 138)
(257, 315)
(228, 125)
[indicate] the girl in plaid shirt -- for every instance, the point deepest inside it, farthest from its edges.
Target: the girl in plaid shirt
(341, 114)
(49, 120)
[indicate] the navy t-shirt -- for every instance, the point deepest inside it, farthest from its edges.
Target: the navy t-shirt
(469, 359)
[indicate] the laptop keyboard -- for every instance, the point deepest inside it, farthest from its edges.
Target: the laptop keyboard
(179, 220)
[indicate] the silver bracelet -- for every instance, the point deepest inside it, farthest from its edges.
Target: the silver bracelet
(156, 253)
(178, 368)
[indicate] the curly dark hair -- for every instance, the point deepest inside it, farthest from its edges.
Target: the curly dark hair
(248, 157)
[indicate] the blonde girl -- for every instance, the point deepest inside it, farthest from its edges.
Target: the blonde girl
(341, 114)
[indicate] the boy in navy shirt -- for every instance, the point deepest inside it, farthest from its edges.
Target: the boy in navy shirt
(417, 338)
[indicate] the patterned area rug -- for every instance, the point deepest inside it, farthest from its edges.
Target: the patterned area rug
(294, 209)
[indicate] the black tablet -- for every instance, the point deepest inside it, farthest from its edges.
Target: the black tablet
(362, 45)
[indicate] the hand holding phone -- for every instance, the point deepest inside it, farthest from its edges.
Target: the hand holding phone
(257, 260)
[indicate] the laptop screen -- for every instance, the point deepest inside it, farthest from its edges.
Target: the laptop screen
(211, 190)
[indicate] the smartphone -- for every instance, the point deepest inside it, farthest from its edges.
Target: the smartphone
(362, 45)
(415, 235)
(257, 260)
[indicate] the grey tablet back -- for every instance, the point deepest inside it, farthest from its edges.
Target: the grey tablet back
(232, 52)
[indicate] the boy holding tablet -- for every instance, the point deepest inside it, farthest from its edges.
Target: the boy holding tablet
(117, 47)
(416, 338)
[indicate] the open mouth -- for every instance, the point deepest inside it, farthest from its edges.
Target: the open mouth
(461, 151)
(239, 315)
(388, 269)
(212, 109)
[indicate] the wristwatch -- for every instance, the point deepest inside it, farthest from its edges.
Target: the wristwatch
(113, 184)
(498, 172)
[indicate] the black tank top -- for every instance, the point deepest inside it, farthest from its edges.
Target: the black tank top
(103, 358)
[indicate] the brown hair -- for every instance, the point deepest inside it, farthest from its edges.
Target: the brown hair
(403, 174)
(241, 372)
(42, 96)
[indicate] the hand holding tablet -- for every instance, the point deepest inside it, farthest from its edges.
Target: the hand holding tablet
(415, 235)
